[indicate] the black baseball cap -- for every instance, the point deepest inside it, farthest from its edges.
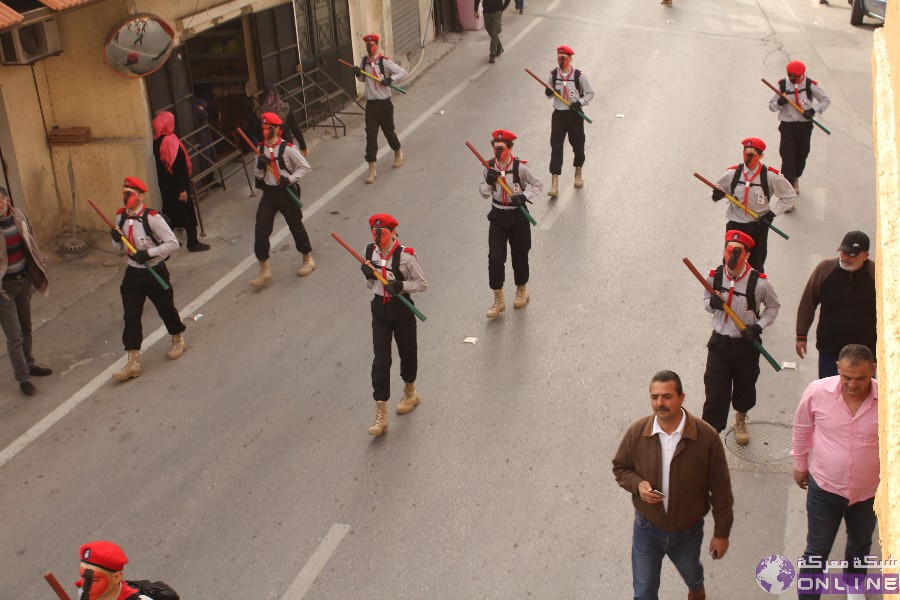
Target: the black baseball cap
(854, 243)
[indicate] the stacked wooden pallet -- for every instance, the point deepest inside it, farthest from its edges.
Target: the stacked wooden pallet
(69, 136)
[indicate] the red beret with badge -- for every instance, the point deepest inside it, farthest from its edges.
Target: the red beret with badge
(755, 143)
(105, 555)
(733, 235)
(372, 37)
(383, 220)
(502, 135)
(565, 50)
(135, 183)
(269, 118)
(796, 68)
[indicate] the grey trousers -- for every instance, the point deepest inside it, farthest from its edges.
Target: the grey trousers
(15, 319)
(493, 25)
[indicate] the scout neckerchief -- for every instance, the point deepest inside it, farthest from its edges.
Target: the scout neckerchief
(272, 158)
(504, 197)
(138, 216)
(373, 62)
(747, 182)
(384, 261)
(797, 89)
(565, 80)
(731, 282)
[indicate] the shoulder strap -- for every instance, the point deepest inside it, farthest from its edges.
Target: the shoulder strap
(764, 180)
(370, 249)
(809, 83)
(516, 178)
(553, 76)
(280, 157)
(737, 178)
(395, 263)
(381, 65)
(121, 220)
(782, 85)
(752, 280)
(578, 82)
(145, 221)
(717, 279)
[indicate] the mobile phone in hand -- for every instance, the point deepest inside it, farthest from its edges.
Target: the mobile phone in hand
(658, 493)
(714, 553)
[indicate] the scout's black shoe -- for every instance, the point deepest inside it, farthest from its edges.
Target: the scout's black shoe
(39, 371)
(198, 247)
(28, 388)
(491, 58)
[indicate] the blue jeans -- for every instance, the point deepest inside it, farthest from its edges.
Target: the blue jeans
(824, 513)
(648, 547)
(827, 366)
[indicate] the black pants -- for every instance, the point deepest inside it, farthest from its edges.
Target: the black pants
(182, 214)
(379, 113)
(794, 148)
(137, 286)
(566, 122)
(508, 227)
(760, 235)
(276, 200)
(392, 320)
(732, 368)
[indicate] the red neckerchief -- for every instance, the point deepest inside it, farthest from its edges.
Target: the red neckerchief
(797, 89)
(504, 197)
(372, 63)
(130, 218)
(273, 162)
(747, 183)
(733, 281)
(565, 80)
(384, 261)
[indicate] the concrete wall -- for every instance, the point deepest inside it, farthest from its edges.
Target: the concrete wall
(886, 90)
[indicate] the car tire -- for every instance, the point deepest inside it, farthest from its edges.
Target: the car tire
(856, 12)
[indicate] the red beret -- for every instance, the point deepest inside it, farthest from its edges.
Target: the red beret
(796, 68)
(733, 235)
(754, 143)
(372, 37)
(502, 135)
(105, 555)
(383, 220)
(565, 50)
(134, 182)
(270, 119)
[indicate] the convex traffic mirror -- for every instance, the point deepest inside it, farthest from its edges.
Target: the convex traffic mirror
(138, 45)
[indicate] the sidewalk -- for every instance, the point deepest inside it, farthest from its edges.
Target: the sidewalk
(73, 280)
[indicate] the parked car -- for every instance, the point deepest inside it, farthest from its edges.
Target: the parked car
(866, 8)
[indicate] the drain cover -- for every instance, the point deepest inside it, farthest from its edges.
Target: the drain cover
(769, 448)
(74, 248)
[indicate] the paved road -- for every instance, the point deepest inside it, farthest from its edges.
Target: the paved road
(244, 470)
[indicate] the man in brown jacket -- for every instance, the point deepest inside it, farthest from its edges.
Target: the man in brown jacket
(674, 466)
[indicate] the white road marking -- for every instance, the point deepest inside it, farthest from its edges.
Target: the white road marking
(556, 208)
(92, 386)
(316, 562)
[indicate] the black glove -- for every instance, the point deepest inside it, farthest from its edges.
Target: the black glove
(715, 302)
(809, 112)
(115, 235)
(751, 333)
(357, 71)
(492, 176)
(394, 287)
(717, 195)
(284, 182)
(768, 217)
(140, 257)
(782, 100)
(575, 105)
(519, 200)
(263, 162)
(387, 80)
(367, 271)
(548, 92)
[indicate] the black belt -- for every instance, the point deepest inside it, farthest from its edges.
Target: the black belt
(727, 338)
(15, 276)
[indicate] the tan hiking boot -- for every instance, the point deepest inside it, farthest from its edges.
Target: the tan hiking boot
(741, 433)
(554, 186)
(131, 369)
(381, 423)
(398, 159)
(797, 186)
(177, 348)
(498, 306)
(410, 399)
(265, 275)
(697, 594)
(308, 266)
(579, 181)
(522, 297)
(370, 178)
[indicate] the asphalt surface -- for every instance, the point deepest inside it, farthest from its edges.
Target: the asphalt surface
(244, 470)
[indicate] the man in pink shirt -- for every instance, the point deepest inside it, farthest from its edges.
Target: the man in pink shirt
(838, 421)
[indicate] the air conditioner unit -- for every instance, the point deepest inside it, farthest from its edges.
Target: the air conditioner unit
(30, 43)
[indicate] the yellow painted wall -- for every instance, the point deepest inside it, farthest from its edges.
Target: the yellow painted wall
(886, 88)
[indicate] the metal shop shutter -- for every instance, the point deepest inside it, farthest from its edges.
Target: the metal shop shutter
(405, 25)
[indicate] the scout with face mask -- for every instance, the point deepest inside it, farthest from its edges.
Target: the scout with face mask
(399, 265)
(573, 86)
(102, 576)
(754, 185)
(732, 361)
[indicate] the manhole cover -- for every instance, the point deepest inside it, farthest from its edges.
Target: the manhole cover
(769, 448)
(74, 248)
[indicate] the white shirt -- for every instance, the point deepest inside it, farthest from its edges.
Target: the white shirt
(667, 444)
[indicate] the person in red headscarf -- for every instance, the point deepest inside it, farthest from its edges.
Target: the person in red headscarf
(399, 265)
(796, 128)
(173, 171)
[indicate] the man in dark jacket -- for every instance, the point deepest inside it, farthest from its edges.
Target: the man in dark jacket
(845, 288)
(493, 23)
(674, 466)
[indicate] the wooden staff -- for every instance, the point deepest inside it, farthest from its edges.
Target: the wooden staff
(128, 245)
(272, 168)
(502, 183)
(731, 313)
(555, 93)
(795, 105)
(380, 277)
(51, 579)
(737, 203)
(370, 76)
